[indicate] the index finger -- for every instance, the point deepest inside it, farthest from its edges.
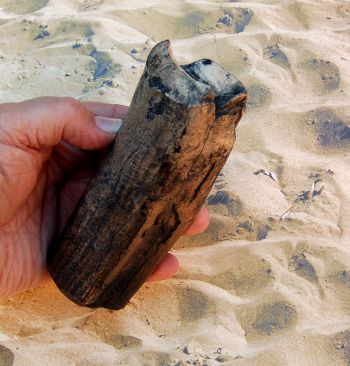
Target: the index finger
(107, 110)
(200, 222)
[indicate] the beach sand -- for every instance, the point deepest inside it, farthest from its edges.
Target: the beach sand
(269, 282)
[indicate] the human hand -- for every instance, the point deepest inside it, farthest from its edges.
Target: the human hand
(48, 152)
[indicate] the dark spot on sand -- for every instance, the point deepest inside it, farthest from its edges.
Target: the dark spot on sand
(303, 268)
(247, 225)
(193, 21)
(237, 19)
(6, 356)
(344, 277)
(258, 96)
(227, 199)
(342, 344)
(328, 72)
(24, 6)
(304, 196)
(76, 45)
(89, 32)
(275, 317)
(332, 131)
(194, 305)
(220, 198)
(43, 34)
(220, 358)
(155, 358)
(276, 55)
(263, 232)
(103, 63)
(107, 83)
(226, 19)
(244, 17)
(123, 341)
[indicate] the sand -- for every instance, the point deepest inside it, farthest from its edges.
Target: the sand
(269, 282)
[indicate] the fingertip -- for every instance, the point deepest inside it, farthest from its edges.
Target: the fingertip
(79, 125)
(167, 268)
(109, 125)
(107, 110)
(200, 223)
(90, 132)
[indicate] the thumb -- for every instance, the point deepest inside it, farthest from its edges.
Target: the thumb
(43, 122)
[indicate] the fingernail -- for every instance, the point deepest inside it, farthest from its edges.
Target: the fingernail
(109, 125)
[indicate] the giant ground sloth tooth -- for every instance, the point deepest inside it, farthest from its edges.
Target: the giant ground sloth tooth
(178, 133)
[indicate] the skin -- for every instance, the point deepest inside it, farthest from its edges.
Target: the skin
(49, 148)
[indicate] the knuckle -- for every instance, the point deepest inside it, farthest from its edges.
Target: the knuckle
(70, 104)
(74, 109)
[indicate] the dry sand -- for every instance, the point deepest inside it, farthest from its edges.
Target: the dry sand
(259, 287)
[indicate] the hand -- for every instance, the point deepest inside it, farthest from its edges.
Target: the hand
(48, 152)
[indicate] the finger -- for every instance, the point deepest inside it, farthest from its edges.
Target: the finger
(107, 110)
(107, 114)
(168, 268)
(43, 122)
(200, 223)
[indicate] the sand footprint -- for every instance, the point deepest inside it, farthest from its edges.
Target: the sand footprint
(120, 341)
(342, 344)
(332, 130)
(343, 277)
(258, 96)
(228, 221)
(193, 22)
(102, 64)
(231, 222)
(326, 75)
(103, 69)
(274, 318)
(235, 20)
(194, 305)
(155, 358)
(248, 274)
(220, 228)
(275, 54)
(267, 320)
(339, 281)
(301, 266)
(225, 203)
(240, 272)
(23, 6)
(107, 327)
